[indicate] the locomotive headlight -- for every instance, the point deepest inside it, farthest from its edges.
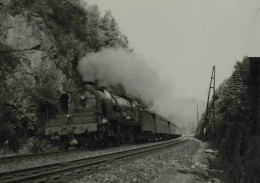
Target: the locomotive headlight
(68, 116)
(104, 120)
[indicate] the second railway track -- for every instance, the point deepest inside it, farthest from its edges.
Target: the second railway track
(39, 155)
(69, 170)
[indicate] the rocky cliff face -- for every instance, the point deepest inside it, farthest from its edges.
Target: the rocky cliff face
(41, 42)
(35, 47)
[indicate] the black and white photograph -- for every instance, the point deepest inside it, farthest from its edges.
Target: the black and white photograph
(129, 91)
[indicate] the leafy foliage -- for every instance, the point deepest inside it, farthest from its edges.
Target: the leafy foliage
(111, 31)
(71, 17)
(233, 117)
(77, 30)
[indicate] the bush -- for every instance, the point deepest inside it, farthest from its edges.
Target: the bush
(37, 145)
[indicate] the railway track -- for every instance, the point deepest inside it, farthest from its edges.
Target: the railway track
(39, 155)
(18, 157)
(69, 170)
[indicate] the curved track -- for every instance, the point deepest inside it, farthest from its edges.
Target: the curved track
(68, 170)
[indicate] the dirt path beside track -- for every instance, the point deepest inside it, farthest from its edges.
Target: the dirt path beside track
(195, 169)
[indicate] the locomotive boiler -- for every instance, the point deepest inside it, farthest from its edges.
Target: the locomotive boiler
(92, 114)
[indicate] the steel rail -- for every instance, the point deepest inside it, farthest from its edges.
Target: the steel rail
(36, 155)
(60, 172)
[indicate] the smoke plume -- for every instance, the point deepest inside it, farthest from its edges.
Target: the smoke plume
(120, 66)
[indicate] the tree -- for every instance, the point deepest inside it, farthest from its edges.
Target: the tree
(113, 36)
(233, 117)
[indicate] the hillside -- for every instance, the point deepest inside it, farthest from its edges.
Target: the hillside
(233, 129)
(41, 42)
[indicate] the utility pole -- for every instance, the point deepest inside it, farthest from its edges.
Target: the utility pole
(211, 86)
(197, 114)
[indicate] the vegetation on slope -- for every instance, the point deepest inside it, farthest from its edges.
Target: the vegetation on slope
(78, 29)
(233, 123)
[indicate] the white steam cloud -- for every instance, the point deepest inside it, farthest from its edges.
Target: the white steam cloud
(120, 66)
(140, 79)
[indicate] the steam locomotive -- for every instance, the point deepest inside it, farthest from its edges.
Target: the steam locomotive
(92, 114)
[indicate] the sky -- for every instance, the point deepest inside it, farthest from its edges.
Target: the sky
(183, 39)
